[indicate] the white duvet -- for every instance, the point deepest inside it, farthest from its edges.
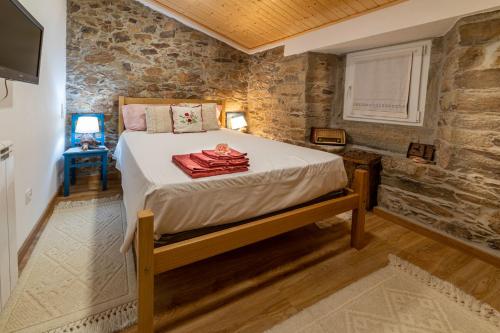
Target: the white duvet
(280, 176)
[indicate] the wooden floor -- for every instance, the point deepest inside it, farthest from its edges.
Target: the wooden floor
(253, 288)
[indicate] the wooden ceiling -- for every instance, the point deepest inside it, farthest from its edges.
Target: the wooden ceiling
(255, 23)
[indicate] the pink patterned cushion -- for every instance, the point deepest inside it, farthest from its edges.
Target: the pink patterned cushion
(134, 117)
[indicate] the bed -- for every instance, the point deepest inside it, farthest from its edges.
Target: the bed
(286, 187)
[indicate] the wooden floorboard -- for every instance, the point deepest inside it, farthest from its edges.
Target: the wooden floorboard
(255, 287)
(484, 254)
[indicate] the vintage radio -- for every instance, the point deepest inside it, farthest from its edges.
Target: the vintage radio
(328, 136)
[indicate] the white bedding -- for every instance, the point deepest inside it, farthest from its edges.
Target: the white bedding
(280, 176)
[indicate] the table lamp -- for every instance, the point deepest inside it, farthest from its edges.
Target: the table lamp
(238, 122)
(87, 127)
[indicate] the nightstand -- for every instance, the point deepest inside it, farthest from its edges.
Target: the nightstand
(70, 164)
(360, 159)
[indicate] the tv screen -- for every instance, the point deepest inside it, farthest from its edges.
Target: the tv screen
(20, 43)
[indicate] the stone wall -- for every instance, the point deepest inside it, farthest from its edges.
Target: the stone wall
(321, 84)
(276, 96)
(289, 95)
(121, 47)
(460, 195)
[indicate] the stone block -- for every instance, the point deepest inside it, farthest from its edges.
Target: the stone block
(101, 57)
(480, 32)
(479, 79)
(471, 58)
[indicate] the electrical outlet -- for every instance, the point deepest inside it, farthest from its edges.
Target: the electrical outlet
(28, 195)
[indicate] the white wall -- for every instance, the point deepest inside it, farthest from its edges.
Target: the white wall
(32, 119)
(404, 22)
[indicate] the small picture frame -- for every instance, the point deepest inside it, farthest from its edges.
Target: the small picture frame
(421, 153)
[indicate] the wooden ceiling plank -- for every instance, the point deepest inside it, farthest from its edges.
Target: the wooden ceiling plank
(347, 8)
(316, 8)
(201, 20)
(298, 15)
(356, 5)
(244, 20)
(276, 17)
(334, 6)
(369, 4)
(255, 23)
(327, 7)
(279, 7)
(306, 15)
(264, 26)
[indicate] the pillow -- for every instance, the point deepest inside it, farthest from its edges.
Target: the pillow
(219, 113)
(158, 119)
(210, 119)
(187, 119)
(134, 117)
(209, 111)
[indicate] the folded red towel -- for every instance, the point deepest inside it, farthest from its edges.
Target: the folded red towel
(210, 162)
(233, 154)
(194, 170)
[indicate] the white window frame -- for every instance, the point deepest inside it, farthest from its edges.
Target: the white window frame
(421, 52)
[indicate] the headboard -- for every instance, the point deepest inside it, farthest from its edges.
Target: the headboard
(123, 100)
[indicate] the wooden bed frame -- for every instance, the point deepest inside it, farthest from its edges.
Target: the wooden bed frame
(152, 261)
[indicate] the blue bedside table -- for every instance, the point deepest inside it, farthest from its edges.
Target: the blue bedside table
(70, 165)
(76, 152)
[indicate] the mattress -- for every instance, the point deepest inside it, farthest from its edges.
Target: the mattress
(280, 176)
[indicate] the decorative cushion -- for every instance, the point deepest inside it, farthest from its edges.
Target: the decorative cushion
(134, 117)
(209, 111)
(219, 113)
(210, 119)
(158, 119)
(187, 119)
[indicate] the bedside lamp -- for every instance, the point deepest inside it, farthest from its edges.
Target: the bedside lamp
(238, 122)
(87, 126)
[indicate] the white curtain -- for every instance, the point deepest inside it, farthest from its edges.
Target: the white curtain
(382, 86)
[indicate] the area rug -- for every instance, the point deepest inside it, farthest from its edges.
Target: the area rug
(399, 298)
(76, 279)
(338, 219)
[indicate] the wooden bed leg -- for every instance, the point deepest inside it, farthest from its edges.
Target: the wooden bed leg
(145, 271)
(360, 186)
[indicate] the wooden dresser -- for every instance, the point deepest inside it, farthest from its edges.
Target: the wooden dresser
(354, 159)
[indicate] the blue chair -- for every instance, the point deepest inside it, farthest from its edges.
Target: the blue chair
(75, 152)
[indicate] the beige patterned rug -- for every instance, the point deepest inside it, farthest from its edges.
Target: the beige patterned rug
(400, 298)
(76, 279)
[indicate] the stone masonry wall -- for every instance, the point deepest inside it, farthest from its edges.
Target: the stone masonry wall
(460, 195)
(121, 47)
(289, 95)
(276, 96)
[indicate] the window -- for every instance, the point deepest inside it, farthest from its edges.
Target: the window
(388, 85)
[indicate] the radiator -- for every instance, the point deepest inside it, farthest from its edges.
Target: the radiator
(8, 244)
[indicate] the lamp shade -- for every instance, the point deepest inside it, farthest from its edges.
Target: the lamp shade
(238, 122)
(87, 125)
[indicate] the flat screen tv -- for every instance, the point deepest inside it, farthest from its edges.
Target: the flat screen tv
(20, 43)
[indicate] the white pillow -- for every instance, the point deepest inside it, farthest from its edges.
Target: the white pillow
(158, 119)
(187, 119)
(209, 113)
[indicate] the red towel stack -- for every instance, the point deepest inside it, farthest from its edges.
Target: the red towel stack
(209, 163)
